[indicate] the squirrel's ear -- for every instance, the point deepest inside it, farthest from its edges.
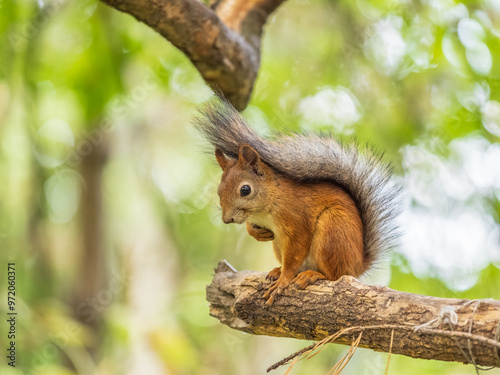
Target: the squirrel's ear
(247, 156)
(221, 159)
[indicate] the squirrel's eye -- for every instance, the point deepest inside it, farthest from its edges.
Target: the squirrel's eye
(245, 190)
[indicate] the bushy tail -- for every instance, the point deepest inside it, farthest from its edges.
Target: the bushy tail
(315, 158)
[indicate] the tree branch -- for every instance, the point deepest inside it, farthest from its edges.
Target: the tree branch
(223, 43)
(424, 327)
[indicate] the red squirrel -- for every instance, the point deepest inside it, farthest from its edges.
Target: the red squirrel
(329, 209)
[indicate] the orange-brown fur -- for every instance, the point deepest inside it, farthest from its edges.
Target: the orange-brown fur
(316, 228)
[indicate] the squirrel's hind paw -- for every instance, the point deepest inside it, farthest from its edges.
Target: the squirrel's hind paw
(274, 274)
(301, 281)
(276, 288)
(308, 277)
(274, 291)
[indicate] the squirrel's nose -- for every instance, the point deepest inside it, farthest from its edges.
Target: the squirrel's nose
(228, 220)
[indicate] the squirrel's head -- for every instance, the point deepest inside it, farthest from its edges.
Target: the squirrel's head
(242, 190)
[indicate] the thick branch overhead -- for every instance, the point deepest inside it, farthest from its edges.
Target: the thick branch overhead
(424, 327)
(223, 43)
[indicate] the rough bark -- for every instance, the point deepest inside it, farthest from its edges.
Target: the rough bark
(327, 307)
(223, 41)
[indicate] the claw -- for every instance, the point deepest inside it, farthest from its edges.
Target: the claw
(303, 279)
(271, 288)
(270, 300)
(272, 293)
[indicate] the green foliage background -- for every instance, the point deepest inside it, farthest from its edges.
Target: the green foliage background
(418, 80)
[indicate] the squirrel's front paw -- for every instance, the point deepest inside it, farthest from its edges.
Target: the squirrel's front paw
(259, 233)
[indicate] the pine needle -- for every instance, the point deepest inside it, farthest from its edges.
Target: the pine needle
(339, 366)
(390, 350)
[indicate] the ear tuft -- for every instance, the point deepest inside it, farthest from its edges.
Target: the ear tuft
(248, 157)
(221, 159)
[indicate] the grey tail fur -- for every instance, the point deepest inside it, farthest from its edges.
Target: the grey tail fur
(315, 158)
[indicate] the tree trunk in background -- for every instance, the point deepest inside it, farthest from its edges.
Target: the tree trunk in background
(37, 234)
(92, 277)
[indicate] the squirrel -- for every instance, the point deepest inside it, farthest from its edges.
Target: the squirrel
(330, 209)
